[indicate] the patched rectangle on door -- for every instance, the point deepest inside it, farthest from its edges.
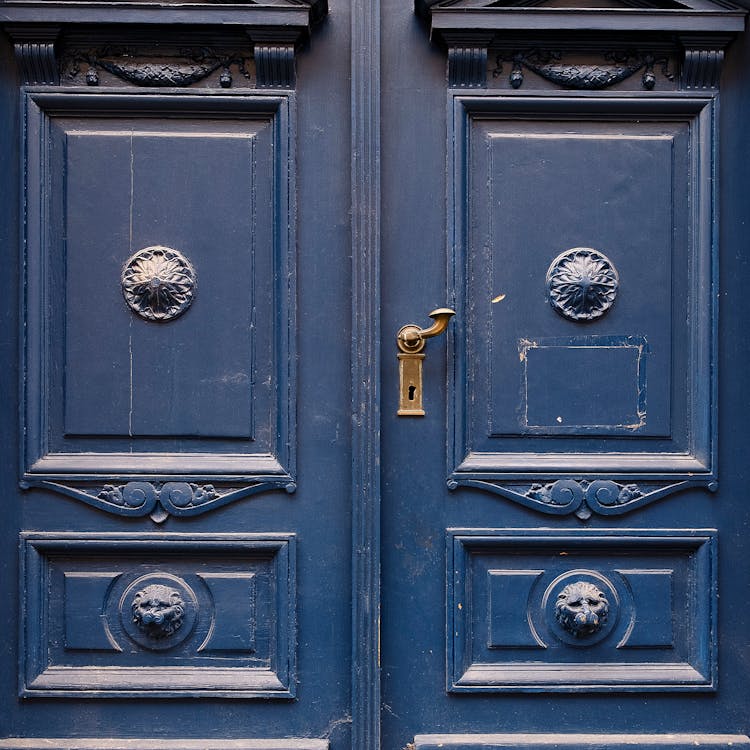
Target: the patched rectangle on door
(590, 384)
(581, 610)
(146, 612)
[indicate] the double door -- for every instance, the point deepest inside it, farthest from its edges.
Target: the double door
(218, 531)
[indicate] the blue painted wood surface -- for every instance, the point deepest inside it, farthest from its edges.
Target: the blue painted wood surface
(227, 538)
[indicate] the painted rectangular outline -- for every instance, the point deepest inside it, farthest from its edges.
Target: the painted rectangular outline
(37, 464)
(589, 342)
(464, 676)
(37, 679)
(698, 465)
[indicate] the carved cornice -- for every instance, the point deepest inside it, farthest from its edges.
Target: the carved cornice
(292, 15)
(692, 34)
(163, 45)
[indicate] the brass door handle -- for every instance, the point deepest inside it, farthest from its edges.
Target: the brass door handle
(411, 340)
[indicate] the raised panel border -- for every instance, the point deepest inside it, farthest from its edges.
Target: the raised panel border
(699, 673)
(129, 743)
(542, 741)
(84, 475)
(38, 678)
(531, 478)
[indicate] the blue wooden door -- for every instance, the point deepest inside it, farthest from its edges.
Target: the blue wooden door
(560, 528)
(170, 298)
(217, 532)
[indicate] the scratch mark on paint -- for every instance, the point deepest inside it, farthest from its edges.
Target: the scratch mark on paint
(130, 356)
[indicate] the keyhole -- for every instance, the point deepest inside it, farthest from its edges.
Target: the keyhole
(412, 390)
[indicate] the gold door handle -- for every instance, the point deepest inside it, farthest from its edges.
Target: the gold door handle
(411, 341)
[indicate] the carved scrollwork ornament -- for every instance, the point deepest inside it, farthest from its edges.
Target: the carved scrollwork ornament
(162, 500)
(582, 284)
(158, 283)
(582, 497)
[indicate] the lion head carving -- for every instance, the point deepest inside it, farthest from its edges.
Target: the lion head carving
(158, 610)
(581, 608)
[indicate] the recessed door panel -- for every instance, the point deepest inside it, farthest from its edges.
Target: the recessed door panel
(125, 376)
(159, 298)
(576, 353)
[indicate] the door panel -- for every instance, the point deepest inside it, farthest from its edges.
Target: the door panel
(190, 377)
(575, 610)
(556, 504)
(612, 381)
(158, 616)
(176, 585)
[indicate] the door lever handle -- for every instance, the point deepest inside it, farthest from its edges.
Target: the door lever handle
(411, 340)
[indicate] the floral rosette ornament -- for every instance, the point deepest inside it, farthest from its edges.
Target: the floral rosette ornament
(582, 284)
(158, 283)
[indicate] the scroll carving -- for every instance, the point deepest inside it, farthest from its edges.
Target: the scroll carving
(581, 497)
(160, 500)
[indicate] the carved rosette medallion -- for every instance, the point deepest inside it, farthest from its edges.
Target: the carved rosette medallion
(582, 284)
(158, 283)
(158, 611)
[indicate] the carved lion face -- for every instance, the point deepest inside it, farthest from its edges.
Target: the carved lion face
(581, 608)
(158, 610)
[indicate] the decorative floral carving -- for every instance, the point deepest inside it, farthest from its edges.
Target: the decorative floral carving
(581, 609)
(582, 284)
(145, 67)
(617, 67)
(158, 610)
(585, 495)
(161, 500)
(582, 497)
(158, 283)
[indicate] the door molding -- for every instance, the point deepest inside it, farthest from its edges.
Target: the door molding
(365, 358)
